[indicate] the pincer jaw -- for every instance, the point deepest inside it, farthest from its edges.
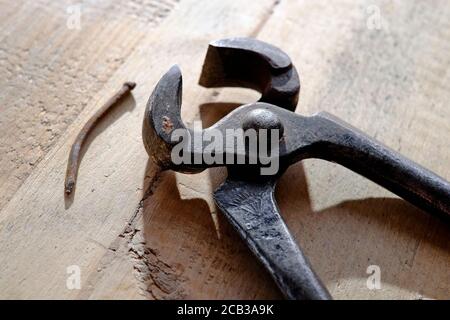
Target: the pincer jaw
(162, 117)
(250, 63)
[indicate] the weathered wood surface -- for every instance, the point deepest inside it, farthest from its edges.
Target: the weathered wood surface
(137, 233)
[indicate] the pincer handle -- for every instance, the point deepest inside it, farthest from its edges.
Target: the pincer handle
(250, 207)
(357, 151)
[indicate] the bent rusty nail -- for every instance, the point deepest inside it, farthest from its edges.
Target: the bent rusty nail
(74, 156)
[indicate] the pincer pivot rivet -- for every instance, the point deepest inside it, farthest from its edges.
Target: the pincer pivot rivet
(262, 119)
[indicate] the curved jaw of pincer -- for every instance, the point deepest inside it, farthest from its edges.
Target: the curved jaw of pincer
(254, 64)
(237, 62)
(162, 117)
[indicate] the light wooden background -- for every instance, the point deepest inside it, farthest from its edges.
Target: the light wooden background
(135, 233)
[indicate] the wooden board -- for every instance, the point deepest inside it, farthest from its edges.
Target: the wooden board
(137, 233)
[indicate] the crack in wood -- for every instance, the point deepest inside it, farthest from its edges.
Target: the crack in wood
(156, 278)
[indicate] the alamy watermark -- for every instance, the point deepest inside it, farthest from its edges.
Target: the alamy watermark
(73, 281)
(375, 19)
(374, 280)
(229, 147)
(74, 17)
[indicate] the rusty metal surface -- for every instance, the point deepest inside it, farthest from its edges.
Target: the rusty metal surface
(246, 197)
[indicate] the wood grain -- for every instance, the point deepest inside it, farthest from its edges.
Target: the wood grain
(138, 233)
(51, 70)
